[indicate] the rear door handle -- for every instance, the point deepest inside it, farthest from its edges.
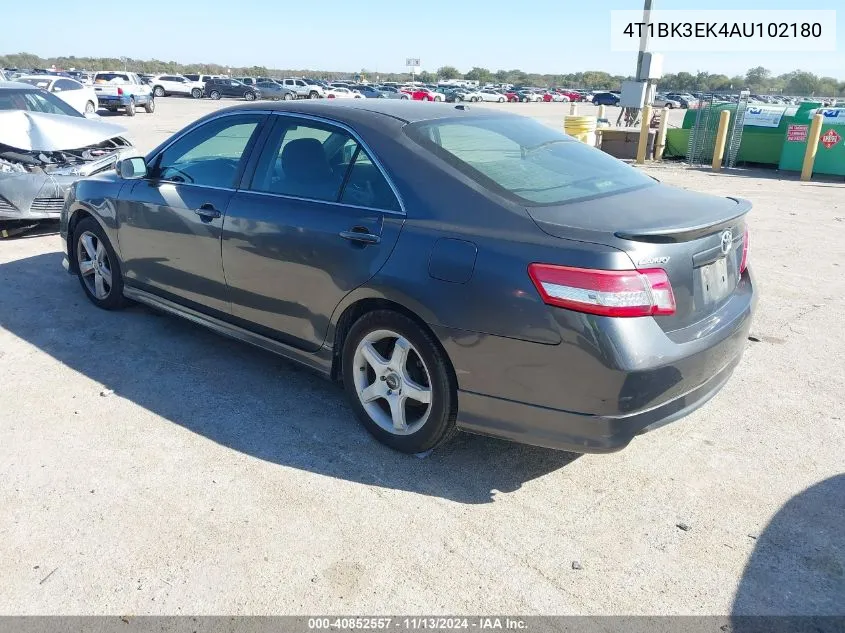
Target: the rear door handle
(360, 234)
(207, 212)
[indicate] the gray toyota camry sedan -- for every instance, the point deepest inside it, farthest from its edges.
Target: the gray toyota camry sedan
(456, 268)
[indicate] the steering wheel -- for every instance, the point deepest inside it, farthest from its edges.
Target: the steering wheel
(174, 174)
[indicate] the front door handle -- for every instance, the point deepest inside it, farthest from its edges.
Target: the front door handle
(207, 212)
(360, 234)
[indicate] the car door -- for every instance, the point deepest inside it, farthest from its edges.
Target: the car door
(316, 219)
(170, 223)
(70, 92)
(180, 85)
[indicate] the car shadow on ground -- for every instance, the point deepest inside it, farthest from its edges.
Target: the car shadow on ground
(242, 397)
(797, 568)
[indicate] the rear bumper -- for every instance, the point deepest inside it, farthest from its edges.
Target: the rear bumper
(608, 381)
(577, 432)
(123, 100)
(113, 100)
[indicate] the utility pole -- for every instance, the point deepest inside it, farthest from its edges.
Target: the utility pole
(644, 39)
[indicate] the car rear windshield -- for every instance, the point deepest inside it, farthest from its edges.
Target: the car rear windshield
(525, 161)
(111, 77)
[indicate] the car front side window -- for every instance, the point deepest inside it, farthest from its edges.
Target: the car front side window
(210, 154)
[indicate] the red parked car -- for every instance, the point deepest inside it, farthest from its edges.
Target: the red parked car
(572, 94)
(422, 94)
(554, 96)
(512, 96)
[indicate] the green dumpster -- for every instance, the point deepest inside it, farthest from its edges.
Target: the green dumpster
(763, 132)
(830, 155)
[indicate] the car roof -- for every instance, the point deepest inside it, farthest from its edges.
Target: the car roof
(51, 77)
(17, 85)
(345, 110)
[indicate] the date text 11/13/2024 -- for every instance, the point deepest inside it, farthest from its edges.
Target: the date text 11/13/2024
(416, 623)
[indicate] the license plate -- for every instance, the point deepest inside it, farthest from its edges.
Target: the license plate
(715, 281)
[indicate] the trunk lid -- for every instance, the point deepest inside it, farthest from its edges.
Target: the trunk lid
(696, 238)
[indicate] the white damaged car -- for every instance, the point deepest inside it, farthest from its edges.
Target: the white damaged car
(45, 146)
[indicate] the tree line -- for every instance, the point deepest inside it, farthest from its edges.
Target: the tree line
(758, 80)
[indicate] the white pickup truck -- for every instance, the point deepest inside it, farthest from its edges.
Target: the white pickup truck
(119, 89)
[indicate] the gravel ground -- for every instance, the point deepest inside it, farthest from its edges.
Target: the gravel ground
(148, 466)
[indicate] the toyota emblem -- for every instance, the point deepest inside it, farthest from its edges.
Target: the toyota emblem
(727, 241)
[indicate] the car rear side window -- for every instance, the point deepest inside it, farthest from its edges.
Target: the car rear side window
(366, 186)
(524, 160)
(319, 161)
(66, 84)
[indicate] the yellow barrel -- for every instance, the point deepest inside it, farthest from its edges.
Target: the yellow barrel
(581, 127)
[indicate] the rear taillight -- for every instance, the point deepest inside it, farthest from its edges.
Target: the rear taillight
(331, 96)
(616, 293)
(743, 264)
(120, 92)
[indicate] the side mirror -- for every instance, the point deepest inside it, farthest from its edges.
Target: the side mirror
(131, 168)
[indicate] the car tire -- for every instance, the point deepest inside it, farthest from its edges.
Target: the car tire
(214, 95)
(288, 96)
(130, 107)
(249, 96)
(313, 94)
(376, 395)
(404, 97)
(501, 99)
(94, 257)
(670, 106)
(436, 98)
(150, 105)
(196, 93)
(90, 107)
(158, 91)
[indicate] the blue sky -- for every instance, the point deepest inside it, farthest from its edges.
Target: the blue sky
(532, 35)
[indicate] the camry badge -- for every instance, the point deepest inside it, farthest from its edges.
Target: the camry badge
(648, 261)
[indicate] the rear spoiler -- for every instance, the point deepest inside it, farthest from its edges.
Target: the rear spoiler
(687, 233)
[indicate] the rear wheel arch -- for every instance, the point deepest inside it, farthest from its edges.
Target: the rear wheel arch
(359, 308)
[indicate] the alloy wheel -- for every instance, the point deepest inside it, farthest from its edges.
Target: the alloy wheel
(392, 382)
(94, 265)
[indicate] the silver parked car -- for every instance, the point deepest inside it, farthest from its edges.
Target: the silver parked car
(662, 101)
(45, 146)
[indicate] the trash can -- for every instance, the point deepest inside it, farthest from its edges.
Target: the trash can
(830, 156)
(581, 127)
